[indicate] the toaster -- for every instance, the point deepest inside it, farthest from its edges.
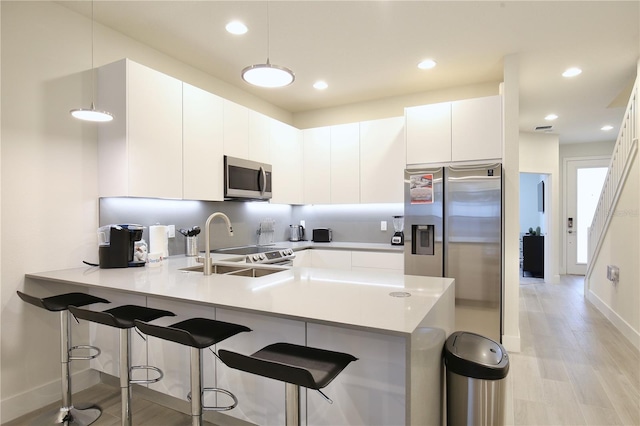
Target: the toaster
(321, 235)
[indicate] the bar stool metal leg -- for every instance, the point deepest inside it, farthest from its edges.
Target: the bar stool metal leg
(196, 386)
(125, 376)
(68, 414)
(292, 404)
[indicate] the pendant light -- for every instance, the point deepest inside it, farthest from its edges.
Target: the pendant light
(92, 114)
(268, 75)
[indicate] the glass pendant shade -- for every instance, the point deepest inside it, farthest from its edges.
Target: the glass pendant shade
(267, 75)
(91, 114)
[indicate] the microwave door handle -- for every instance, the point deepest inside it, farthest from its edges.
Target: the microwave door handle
(262, 187)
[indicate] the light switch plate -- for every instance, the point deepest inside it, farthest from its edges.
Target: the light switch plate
(383, 225)
(171, 231)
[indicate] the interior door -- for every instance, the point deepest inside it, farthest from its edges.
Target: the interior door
(585, 178)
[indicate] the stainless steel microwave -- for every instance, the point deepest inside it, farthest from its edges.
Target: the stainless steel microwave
(246, 179)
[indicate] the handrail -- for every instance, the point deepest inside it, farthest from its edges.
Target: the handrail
(624, 153)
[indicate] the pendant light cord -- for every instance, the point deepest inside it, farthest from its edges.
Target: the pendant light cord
(93, 81)
(268, 34)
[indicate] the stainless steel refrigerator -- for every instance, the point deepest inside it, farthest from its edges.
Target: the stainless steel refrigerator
(453, 228)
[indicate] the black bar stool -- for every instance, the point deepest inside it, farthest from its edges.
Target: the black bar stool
(198, 334)
(67, 414)
(123, 317)
(296, 366)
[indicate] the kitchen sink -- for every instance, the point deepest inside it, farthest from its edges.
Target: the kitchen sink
(237, 270)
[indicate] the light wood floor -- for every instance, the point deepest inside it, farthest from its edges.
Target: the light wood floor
(145, 413)
(575, 368)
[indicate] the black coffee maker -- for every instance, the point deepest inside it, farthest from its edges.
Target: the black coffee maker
(117, 245)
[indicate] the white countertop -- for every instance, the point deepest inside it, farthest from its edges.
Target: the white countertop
(341, 297)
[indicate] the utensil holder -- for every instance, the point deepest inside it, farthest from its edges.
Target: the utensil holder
(191, 248)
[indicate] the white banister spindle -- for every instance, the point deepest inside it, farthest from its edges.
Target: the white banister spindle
(624, 149)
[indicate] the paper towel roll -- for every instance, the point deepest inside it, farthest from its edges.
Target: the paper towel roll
(158, 240)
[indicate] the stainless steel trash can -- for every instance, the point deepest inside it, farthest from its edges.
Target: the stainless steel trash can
(476, 369)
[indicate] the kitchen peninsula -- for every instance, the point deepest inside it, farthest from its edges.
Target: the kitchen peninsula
(394, 324)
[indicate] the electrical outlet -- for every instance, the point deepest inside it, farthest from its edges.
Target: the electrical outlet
(171, 231)
(613, 274)
(383, 225)
(303, 224)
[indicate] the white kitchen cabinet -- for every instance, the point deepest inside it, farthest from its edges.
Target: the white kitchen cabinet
(108, 338)
(303, 258)
(174, 359)
(360, 397)
(236, 130)
(345, 164)
(261, 400)
(202, 139)
(331, 259)
(140, 152)
(476, 129)
(317, 165)
(259, 141)
(428, 133)
(382, 161)
(286, 160)
(466, 130)
(383, 261)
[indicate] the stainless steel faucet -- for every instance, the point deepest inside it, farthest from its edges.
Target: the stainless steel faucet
(207, 238)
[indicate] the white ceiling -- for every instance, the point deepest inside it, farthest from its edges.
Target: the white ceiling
(368, 50)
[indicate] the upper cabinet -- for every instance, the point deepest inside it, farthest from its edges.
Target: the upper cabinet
(345, 164)
(317, 165)
(465, 130)
(428, 133)
(382, 161)
(202, 146)
(355, 163)
(286, 160)
(236, 130)
(259, 137)
(140, 152)
(476, 129)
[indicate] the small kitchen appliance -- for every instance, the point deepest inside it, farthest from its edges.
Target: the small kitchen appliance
(398, 227)
(246, 180)
(117, 245)
(297, 233)
(322, 235)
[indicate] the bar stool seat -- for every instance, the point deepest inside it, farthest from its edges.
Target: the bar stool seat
(123, 318)
(295, 365)
(198, 334)
(67, 414)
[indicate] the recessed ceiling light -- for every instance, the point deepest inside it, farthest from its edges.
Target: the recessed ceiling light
(551, 117)
(427, 64)
(236, 27)
(572, 72)
(606, 128)
(320, 85)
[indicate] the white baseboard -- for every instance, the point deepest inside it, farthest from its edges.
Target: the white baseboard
(618, 322)
(511, 343)
(33, 399)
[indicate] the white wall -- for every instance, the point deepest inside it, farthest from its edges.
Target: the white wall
(511, 184)
(389, 107)
(539, 154)
(49, 179)
(620, 303)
